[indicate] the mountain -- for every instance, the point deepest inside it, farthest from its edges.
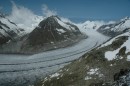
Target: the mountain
(8, 30)
(27, 24)
(52, 33)
(91, 24)
(106, 65)
(115, 28)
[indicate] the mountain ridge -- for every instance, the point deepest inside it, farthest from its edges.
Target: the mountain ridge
(52, 31)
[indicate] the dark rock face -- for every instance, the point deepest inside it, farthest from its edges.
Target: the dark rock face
(51, 31)
(122, 51)
(3, 39)
(122, 78)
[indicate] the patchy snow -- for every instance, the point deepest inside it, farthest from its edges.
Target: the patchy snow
(100, 75)
(111, 64)
(63, 24)
(12, 27)
(88, 78)
(121, 27)
(110, 55)
(110, 41)
(93, 71)
(52, 42)
(127, 44)
(128, 57)
(118, 26)
(60, 30)
(9, 24)
(54, 75)
(3, 32)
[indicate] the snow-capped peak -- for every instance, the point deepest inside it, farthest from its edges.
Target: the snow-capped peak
(91, 24)
(27, 24)
(9, 30)
(126, 18)
(116, 28)
(24, 18)
(7, 25)
(65, 23)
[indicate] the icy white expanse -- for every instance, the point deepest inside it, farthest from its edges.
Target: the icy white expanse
(25, 69)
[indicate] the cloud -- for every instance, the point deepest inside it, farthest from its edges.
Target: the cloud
(25, 18)
(22, 16)
(47, 12)
(66, 20)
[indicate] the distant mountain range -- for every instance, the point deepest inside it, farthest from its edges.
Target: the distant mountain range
(116, 28)
(52, 32)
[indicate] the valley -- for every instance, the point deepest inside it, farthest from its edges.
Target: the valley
(45, 47)
(32, 66)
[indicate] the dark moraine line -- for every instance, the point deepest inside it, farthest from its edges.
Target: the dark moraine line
(35, 68)
(54, 59)
(45, 66)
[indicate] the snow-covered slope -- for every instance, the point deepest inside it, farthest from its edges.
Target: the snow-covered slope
(28, 24)
(116, 28)
(24, 17)
(110, 55)
(91, 24)
(8, 30)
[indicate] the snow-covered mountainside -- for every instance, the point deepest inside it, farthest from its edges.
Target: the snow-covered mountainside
(51, 33)
(24, 18)
(27, 24)
(110, 55)
(116, 28)
(8, 30)
(91, 24)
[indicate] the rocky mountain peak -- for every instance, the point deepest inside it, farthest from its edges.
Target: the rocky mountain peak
(51, 31)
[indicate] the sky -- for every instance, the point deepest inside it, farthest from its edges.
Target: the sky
(75, 9)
